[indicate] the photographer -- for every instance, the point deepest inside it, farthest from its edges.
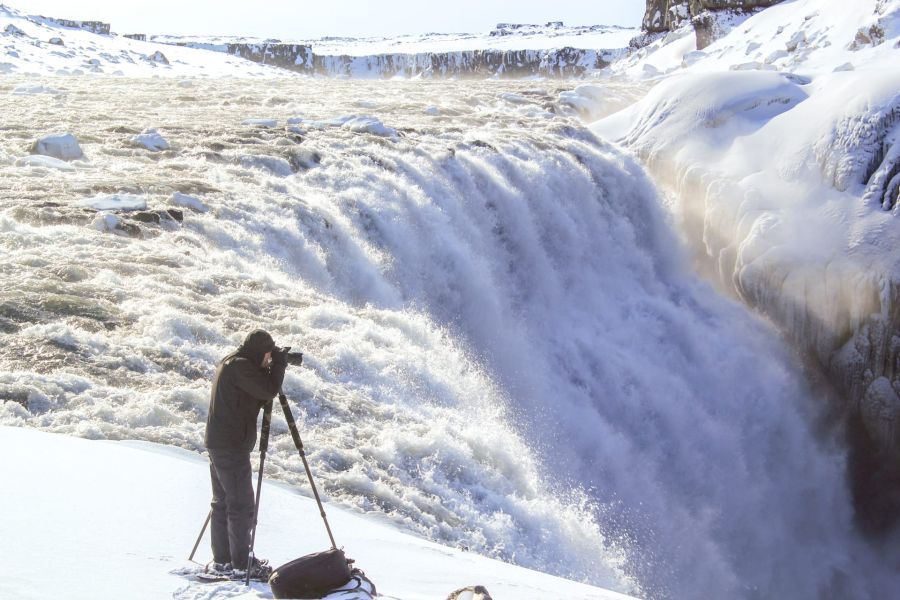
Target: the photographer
(244, 382)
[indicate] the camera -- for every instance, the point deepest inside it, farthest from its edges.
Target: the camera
(292, 358)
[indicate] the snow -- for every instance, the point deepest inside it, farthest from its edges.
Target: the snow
(114, 519)
(120, 201)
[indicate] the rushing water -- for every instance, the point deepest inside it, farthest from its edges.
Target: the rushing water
(504, 347)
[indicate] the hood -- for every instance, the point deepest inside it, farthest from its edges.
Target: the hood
(255, 345)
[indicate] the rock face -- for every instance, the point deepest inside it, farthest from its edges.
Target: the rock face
(296, 57)
(565, 62)
(97, 27)
(705, 15)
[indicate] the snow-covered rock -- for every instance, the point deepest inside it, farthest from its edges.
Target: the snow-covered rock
(158, 58)
(781, 181)
(63, 146)
(150, 139)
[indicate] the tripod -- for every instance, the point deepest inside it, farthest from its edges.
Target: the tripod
(263, 447)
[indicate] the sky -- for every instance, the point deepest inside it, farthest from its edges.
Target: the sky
(293, 19)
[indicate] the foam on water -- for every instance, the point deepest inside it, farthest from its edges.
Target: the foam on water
(504, 349)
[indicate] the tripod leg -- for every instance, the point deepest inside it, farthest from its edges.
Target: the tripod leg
(292, 425)
(200, 537)
(263, 446)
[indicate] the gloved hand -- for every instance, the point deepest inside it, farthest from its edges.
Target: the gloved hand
(279, 355)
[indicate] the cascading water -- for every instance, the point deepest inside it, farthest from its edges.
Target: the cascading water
(505, 349)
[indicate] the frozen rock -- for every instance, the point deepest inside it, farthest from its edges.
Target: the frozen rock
(36, 160)
(62, 146)
(650, 70)
(114, 202)
(263, 123)
(107, 221)
(191, 202)
(369, 125)
(844, 67)
(159, 58)
(13, 30)
(151, 140)
(57, 41)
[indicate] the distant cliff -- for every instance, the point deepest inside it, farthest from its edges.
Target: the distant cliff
(563, 62)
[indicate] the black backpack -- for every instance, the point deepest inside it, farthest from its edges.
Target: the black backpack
(311, 576)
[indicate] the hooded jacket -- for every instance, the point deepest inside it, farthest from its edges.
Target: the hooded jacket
(240, 388)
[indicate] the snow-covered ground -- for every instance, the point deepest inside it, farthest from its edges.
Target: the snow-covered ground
(83, 520)
(31, 45)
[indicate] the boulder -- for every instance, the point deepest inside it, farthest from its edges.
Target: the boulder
(62, 146)
(159, 58)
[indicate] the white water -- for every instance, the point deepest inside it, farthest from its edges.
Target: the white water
(505, 349)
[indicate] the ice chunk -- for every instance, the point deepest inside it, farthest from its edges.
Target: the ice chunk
(151, 140)
(369, 125)
(114, 202)
(62, 146)
(23, 90)
(191, 202)
(264, 123)
(36, 160)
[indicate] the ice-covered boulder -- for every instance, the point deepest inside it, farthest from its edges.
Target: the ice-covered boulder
(62, 146)
(151, 140)
(159, 58)
(57, 41)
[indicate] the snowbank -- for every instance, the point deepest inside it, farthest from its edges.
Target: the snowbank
(114, 519)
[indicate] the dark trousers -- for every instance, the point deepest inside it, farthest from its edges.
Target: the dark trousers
(232, 506)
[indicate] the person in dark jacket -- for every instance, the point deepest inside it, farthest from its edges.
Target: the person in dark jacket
(244, 381)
